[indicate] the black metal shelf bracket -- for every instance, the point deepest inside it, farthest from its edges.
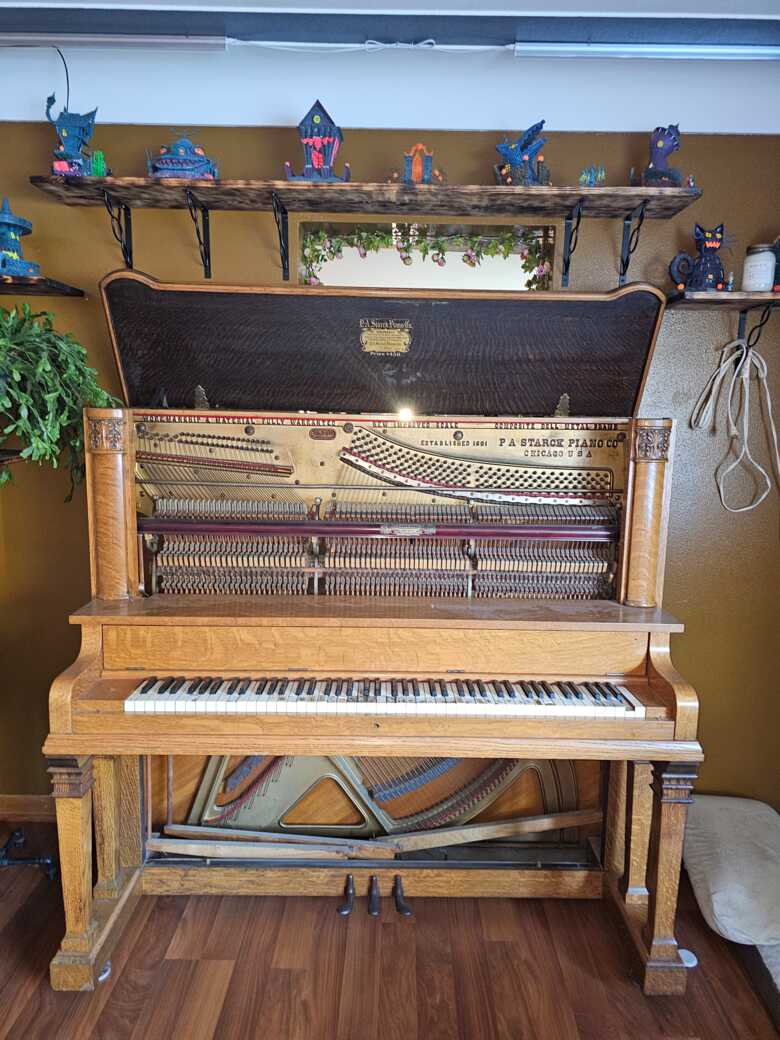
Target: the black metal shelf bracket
(280, 216)
(202, 230)
(632, 227)
(752, 337)
(121, 227)
(571, 234)
(16, 841)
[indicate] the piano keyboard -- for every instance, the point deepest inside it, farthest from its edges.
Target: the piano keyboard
(513, 698)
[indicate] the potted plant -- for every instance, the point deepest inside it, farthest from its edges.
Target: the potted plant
(45, 383)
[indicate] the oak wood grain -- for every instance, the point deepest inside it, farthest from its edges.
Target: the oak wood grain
(357, 612)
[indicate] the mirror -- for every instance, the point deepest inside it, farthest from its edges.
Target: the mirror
(507, 257)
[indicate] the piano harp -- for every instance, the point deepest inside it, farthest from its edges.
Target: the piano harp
(349, 558)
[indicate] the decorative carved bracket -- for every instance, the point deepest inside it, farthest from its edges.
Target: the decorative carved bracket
(70, 777)
(651, 444)
(105, 434)
(673, 781)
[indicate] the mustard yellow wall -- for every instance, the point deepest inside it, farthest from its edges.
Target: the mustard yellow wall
(723, 571)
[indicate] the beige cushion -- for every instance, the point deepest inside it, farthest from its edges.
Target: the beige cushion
(732, 855)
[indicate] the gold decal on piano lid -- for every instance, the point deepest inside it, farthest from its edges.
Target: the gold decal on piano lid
(385, 335)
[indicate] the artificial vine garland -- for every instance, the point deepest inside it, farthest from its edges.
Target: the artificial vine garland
(425, 240)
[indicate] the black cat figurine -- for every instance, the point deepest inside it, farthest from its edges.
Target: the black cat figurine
(704, 272)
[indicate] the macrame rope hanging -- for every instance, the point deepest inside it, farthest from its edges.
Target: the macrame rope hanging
(739, 363)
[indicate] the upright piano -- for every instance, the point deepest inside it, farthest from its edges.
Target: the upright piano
(376, 583)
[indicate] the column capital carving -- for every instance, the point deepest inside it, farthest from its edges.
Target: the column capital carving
(70, 777)
(673, 781)
(105, 433)
(651, 444)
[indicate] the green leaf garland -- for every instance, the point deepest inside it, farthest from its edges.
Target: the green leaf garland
(321, 245)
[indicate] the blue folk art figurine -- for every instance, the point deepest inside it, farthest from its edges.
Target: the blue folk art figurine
(705, 271)
(321, 140)
(72, 157)
(12, 263)
(593, 177)
(664, 140)
(182, 159)
(523, 162)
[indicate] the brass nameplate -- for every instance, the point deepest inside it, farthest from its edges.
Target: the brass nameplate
(385, 335)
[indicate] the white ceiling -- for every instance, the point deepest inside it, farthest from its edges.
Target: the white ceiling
(251, 86)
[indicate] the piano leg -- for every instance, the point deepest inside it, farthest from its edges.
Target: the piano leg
(72, 780)
(95, 920)
(644, 859)
(639, 808)
(664, 970)
(106, 809)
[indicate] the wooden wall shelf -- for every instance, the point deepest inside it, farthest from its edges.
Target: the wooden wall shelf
(732, 301)
(488, 200)
(120, 195)
(36, 287)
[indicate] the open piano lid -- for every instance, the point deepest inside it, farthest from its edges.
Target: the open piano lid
(371, 350)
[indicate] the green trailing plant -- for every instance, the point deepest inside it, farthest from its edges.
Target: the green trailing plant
(45, 383)
(320, 245)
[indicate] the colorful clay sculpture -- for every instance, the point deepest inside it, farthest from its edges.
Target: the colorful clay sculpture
(593, 177)
(183, 160)
(523, 162)
(12, 263)
(703, 273)
(321, 140)
(664, 140)
(72, 157)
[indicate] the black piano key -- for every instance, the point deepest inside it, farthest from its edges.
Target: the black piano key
(203, 685)
(595, 693)
(215, 685)
(166, 685)
(232, 686)
(146, 686)
(576, 691)
(194, 684)
(620, 697)
(243, 686)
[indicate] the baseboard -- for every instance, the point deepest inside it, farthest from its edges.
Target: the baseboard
(26, 808)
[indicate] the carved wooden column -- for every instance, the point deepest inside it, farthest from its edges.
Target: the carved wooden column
(72, 789)
(105, 805)
(649, 453)
(110, 462)
(639, 806)
(672, 793)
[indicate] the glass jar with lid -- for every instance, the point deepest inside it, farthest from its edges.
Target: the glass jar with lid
(758, 274)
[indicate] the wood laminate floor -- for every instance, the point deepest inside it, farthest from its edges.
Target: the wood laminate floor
(191, 968)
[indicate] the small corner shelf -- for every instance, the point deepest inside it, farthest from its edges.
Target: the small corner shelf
(10, 286)
(120, 195)
(732, 301)
(742, 302)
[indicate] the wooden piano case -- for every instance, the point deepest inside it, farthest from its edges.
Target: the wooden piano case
(423, 488)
